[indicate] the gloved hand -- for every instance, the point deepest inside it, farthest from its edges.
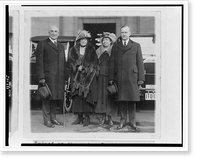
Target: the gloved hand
(80, 68)
(140, 82)
(42, 81)
(111, 82)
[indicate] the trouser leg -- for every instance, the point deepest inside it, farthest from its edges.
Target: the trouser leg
(103, 116)
(132, 111)
(46, 110)
(54, 104)
(87, 119)
(123, 111)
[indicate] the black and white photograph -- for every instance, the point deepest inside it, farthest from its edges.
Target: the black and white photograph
(80, 88)
(95, 88)
(102, 75)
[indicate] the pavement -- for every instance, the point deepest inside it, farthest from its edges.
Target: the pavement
(144, 120)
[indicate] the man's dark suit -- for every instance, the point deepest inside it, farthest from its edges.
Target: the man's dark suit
(126, 69)
(50, 61)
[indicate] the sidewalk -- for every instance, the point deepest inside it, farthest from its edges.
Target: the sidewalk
(145, 123)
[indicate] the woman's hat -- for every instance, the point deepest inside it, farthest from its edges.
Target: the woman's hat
(83, 34)
(111, 36)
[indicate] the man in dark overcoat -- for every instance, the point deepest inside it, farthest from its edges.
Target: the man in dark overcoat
(50, 62)
(127, 71)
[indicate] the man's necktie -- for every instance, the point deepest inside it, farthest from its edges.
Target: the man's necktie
(124, 43)
(55, 42)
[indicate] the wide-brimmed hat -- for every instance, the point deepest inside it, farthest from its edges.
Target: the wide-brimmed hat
(111, 36)
(83, 34)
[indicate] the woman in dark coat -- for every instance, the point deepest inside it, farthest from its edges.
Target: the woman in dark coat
(83, 61)
(106, 105)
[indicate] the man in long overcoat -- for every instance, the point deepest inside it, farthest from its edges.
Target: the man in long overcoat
(50, 62)
(127, 71)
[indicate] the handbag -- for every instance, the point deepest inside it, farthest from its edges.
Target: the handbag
(44, 91)
(112, 89)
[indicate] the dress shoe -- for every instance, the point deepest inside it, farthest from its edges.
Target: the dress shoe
(121, 125)
(56, 122)
(110, 122)
(102, 122)
(49, 124)
(79, 120)
(134, 127)
(86, 121)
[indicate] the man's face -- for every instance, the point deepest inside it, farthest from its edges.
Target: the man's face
(53, 32)
(125, 33)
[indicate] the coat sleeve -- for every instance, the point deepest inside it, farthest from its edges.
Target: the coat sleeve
(72, 61)
(140, 64)
(111, 64)
(40, 60)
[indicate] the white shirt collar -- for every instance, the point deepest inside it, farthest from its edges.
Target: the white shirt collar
(125, 41)
(52, 40)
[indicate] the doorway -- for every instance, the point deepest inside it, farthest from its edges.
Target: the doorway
(99, 28)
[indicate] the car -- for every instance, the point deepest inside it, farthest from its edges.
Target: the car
(147, 90)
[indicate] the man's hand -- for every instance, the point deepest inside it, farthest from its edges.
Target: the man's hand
(80, 68)
(140, 82)
(42, 81)
(111, 82)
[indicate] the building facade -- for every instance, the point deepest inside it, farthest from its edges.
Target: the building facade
(69, 26)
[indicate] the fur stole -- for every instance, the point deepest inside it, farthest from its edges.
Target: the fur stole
(88, 62)
(89, 58)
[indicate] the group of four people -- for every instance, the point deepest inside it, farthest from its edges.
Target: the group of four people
(117, 60)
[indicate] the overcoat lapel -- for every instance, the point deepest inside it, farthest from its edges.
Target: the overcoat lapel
(120, 45)
(128, 46)
(124, 49)
(52, 44)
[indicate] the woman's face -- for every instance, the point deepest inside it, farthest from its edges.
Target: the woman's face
(83, 42)
(106, 42)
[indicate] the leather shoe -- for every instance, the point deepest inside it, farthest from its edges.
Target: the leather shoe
(49, 124)
(102, 122)
(134, 127)
(121, 125)
(86, 121)
(110, 122)
(79, 120)
(56, 122)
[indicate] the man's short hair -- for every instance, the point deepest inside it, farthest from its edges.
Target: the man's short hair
(52, 27)
(127, 27)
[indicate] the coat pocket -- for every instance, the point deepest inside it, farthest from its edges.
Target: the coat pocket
(135, 69)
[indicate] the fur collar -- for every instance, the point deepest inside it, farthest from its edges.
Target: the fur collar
(101, 50)
(89, 56)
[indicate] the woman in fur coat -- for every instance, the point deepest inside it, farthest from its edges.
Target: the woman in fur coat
(106, 106)
(83, 62)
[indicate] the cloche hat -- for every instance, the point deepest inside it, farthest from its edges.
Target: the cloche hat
(83, 34)
(111, 36)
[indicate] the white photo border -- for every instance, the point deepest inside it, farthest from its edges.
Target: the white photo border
(23, 112)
